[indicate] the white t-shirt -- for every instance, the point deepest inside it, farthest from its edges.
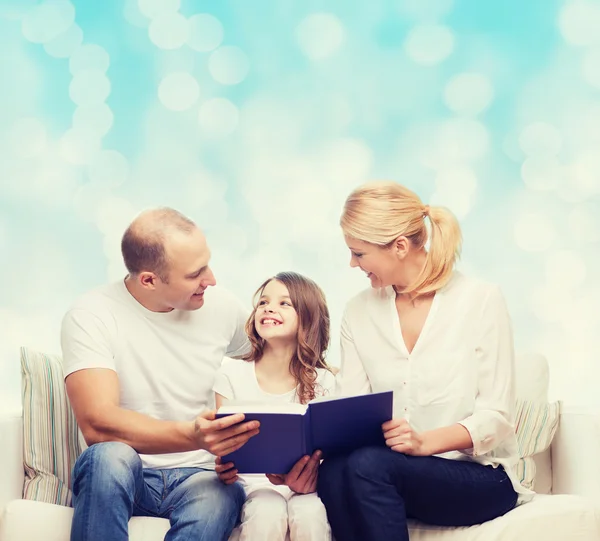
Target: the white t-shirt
(236, 380)
(461, 370)
(166, 362)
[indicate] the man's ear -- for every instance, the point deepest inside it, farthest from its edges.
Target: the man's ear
(147, 279)
(401, 246)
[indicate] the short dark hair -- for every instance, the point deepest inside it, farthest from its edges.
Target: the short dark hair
(143, 243)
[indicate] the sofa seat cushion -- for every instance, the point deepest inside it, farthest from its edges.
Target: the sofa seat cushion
(551, 518)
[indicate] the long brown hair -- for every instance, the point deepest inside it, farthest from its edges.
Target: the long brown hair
(312, 340)
(380, 212)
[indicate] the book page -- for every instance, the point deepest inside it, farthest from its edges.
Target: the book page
(261, 407)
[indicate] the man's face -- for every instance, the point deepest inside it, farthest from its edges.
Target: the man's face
(189, 274)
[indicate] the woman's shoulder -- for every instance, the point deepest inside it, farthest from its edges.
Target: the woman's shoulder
(369, 296)
(467, 284)
(325, 382)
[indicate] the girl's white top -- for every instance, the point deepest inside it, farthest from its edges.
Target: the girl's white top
(236, 380)
(461, 369)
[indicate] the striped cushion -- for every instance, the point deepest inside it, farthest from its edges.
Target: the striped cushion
(50, 432)
(536, 424)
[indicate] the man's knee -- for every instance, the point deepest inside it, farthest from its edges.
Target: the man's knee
(115, 462)
(206, 488)
(306, 507)
(371, 463)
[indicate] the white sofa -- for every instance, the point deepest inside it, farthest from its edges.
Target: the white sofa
(571, 465)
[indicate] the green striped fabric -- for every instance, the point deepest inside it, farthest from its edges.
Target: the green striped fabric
(536, 423)
(50, 432)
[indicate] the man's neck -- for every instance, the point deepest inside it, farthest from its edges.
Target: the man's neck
(141, 296)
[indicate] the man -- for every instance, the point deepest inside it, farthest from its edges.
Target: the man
(140, 357)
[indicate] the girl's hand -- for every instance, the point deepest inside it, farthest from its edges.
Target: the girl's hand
(226, 472)
(400, 437)
(302, 478)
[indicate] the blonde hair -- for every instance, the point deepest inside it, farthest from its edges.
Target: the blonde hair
(380, 212)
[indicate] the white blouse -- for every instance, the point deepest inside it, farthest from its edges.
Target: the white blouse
(461, 369)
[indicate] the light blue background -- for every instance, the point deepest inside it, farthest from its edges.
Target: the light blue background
(258, 118)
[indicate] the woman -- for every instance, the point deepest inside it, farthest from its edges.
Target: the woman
(443, 343)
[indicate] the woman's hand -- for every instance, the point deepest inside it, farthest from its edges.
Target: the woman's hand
(400, 437)
(302, 478)
(226, 472)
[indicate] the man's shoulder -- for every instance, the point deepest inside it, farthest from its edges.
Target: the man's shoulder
(99, 301)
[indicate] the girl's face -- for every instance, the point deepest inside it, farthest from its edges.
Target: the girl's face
(276, 318)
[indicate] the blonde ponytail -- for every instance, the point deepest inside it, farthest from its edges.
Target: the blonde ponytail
(380, 212)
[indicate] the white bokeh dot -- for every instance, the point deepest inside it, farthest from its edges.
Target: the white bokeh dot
(228, 65)
(320, 35)
(584, 224)
(109, 167)
(425, 10)
(78, 148)
(205, 32)
(540, 138)
(47, 20)
(468, 93)
(455, 141)
(89, 57)
(591, 66)
(178, 91)
(63, 45)
(13, 10)
(534, 232)
(346, 162)
(156, 8)
(89, 87)
(565, 269)
(94, 120)
(88, 197)
(169, 31)
(455, 189)
(218, 117)
(28, 137)
(429, 44)
(579, 21)
(133, 15)
(542, 172)
(547, 305)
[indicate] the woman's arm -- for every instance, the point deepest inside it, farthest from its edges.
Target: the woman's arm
(492, 418)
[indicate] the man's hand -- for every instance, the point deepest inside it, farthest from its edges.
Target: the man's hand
(225, 435)
(226, 472)
(302, 478)
(400, 437)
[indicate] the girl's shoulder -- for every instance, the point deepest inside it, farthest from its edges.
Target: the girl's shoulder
(235, 367)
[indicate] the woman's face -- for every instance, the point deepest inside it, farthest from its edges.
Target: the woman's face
(381, 264)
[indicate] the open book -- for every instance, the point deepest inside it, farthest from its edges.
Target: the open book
(290, 431)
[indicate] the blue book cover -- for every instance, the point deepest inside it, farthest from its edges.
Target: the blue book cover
(290, 431)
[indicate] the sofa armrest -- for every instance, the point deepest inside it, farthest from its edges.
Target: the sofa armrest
(576, 453)
(11, 458)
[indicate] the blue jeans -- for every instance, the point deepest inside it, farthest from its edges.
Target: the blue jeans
(110, 486)
(370, 493)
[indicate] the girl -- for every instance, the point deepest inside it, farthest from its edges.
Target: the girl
(289, 333)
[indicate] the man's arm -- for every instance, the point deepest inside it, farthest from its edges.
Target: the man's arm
(94, 396)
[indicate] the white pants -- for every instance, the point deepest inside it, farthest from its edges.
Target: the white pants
(267, 515)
